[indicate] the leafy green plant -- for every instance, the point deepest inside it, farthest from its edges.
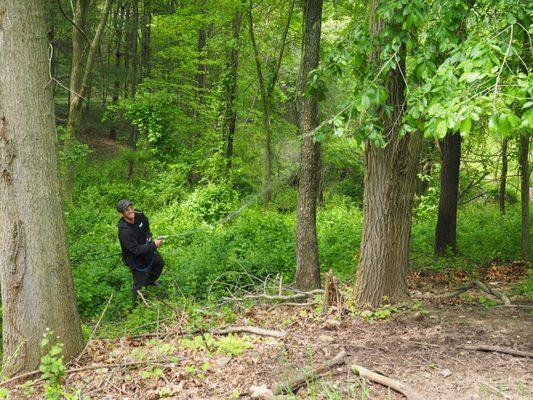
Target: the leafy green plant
(52, 366)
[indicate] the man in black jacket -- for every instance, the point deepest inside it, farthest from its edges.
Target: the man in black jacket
(139, 252)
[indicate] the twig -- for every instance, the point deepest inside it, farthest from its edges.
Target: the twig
(399, 387)
(92, 367)
(277, 298)
(250, 329)
(499, 349)
(308, 376)
(94, 329)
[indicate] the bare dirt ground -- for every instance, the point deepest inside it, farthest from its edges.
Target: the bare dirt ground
(418, 345)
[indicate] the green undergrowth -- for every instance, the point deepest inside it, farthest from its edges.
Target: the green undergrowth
(223, 240)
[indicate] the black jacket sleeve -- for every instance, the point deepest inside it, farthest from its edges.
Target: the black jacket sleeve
(149, 232)
(128, 240)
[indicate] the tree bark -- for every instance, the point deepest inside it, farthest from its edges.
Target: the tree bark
(133, 36)
(503, 177)
(231, 90)
(524, 186)
(35, 275)
(202, 68)
(446, 230)
(307, 260)
(388, 200)
(81, 10)
(145, 39)
(119, 24)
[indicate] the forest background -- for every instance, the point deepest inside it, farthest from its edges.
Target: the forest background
(157, 129)
(191, 109)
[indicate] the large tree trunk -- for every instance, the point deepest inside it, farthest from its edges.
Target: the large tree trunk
(524, 186)
(36, 280)
(446, 230)
(231, 91)
(307, 261)
(503, 177)
(387, 203)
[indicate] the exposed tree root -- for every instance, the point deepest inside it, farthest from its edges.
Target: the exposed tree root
(399, 387)
(498, 349)
(305, 377)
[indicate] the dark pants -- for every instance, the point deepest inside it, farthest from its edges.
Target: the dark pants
(145, 278)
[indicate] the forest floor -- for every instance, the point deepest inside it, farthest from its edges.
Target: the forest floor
(420, 344)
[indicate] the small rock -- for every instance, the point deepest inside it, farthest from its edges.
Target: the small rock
(326, 338)
(261, 392)
(331, 324)
(445, 372)
(152, 395)
(426, 375)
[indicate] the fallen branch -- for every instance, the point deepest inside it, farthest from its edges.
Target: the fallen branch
(399, 387)
(480, 285)
(90, 367)
(250, 329)
(305, 377)
(297, 296)
(503, 298)
(499, 349)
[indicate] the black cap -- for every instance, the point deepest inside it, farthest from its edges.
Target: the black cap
(123, 204)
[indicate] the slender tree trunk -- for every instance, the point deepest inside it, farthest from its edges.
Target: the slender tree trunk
(307, 261)
(81, 86)
(119, 25)
(267, 152)
(446, 230)
(35, 276)
(145, 39)
(524, 186)
(231, 91)
(503, 177)
(266, 89)
(79, 42)
(202, 68)
(134, 74)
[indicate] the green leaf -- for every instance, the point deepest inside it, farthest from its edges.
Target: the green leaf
(365, 102)
(441, 129)
(493, 123)
(527, 118)
(504, 125)
(466, 126)
(470, 76)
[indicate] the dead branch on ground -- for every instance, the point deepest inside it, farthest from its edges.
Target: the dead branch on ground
(399, 387)
(250, 329)
(307, 376)
(498, 349)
